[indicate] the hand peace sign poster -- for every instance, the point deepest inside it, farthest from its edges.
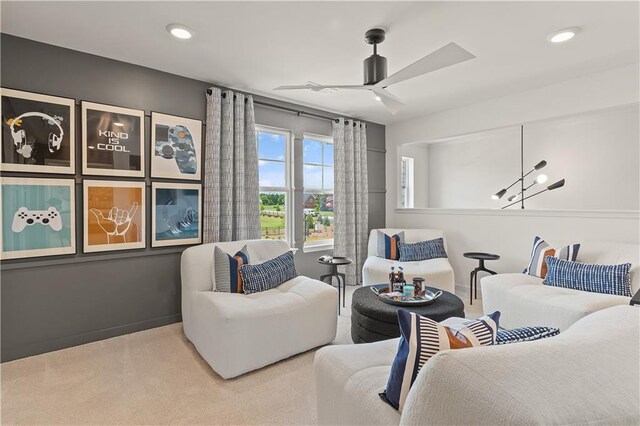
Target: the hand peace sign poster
(114, 215)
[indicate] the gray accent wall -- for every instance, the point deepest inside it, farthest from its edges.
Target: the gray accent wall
(57, 302)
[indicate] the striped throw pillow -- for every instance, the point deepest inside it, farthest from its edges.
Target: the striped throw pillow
(541, 249)
(525, 334)
(423, 250)
(387, 247)
(607, 279)
(268, 275)
(421, 338)
(227, 269)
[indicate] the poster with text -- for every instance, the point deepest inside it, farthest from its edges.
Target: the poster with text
(114, 215)
(175, 218)
(38, 133)
(38, 217)
(176, 144)
(112, 141)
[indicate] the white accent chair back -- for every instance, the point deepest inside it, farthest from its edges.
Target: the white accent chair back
(237, 333)
(437, 272)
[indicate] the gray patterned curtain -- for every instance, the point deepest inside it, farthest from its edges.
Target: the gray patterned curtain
(351, 195)
(231, 191)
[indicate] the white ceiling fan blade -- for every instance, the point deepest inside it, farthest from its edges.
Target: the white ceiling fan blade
(390, 101)
(448, 55)
(320, 87)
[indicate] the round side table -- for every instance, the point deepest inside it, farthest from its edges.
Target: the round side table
(473, 279)
(334, 262)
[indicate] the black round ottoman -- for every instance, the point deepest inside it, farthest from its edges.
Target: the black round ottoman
(373, 320)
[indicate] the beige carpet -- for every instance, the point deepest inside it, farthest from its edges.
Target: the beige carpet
(157, 377)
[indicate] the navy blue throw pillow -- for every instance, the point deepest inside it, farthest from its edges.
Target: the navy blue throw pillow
(269, 274)
(423, 250)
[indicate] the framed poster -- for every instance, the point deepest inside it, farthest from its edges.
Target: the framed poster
(38, 217)
(112, 141)
(38, 133)
(114, 215)
(175, 217)
(176, 147)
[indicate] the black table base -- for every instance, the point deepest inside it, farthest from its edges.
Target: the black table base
(473, 277)
(338, 276)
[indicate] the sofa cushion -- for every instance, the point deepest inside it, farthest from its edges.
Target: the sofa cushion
(607, 279)
(422, 338)
(269, 274)
(227, 269)
(524, 334)
(422, 250)
(541, 249)
(388, 245)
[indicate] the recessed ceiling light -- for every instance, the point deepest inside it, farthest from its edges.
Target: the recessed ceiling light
(180, 31)
(563, 35)
(378, 98)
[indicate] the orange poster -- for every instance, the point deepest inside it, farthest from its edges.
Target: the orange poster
(114, 215)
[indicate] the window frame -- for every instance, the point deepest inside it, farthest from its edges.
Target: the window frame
(321, 244)
(407, 198)
(288, 189)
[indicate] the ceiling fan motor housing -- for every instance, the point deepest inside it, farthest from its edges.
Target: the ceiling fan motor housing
(375, 69)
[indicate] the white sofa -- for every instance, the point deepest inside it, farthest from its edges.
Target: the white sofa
(437, 272)
(587, 374)
(523, 299)
(237, 333)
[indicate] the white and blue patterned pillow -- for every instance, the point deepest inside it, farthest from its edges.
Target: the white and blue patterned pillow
(269, 274)
(421, 338)
(607, 279)
(525, 334)
(423, 250)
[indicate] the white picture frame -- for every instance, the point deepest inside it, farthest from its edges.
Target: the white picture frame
(63, 122)
(110, 210)
(180, 218)
(112, 139)
(44, 234)
(176, 147)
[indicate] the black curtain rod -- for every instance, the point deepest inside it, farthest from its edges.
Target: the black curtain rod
(284, 108)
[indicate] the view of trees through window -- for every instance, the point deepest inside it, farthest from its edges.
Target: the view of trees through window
(318, 194)
(274, 182)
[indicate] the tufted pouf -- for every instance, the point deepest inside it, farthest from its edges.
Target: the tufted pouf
(373, 320)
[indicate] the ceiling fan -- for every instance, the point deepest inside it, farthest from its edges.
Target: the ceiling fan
(375, 70)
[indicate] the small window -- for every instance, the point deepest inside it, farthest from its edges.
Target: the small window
(274, 171)
(318, 201)
(406, 183)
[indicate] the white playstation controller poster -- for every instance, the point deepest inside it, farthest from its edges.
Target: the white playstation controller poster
(112, 141)
(38, 133)
(114, 215)
(175, 218)
(38, 217)
(176, 147)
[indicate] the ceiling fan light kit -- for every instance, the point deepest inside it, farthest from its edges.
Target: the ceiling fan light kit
(375, 70)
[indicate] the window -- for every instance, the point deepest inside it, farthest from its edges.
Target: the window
(275, 183)
(318, 190)
(406, 183)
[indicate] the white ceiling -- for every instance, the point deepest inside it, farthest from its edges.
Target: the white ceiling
(256, 46)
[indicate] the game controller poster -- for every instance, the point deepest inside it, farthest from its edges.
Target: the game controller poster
(114, 215)
(38, 133)
(38, 217)
(112, 141)
(176, 147)
(175, 218)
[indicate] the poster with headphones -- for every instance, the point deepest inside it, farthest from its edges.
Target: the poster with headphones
(175, 214)
(112, 140)
(38, 133)
(175, 147)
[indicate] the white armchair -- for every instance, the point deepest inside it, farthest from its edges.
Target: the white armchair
(436, 272)
(237, 333)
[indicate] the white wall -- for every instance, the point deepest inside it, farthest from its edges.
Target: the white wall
(596, 152)
(510, 233)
